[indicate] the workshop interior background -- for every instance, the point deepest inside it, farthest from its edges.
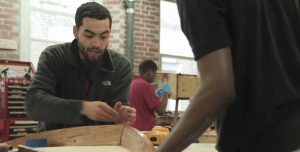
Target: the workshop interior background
(28, 26)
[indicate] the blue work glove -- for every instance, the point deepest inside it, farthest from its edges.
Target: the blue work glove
(159, 92)
(166, 87)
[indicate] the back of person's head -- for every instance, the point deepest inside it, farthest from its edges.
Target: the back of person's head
(146, 66)
(92, 10)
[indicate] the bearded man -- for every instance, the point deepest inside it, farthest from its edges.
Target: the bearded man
(82, 82)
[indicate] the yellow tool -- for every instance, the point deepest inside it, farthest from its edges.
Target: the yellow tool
(157, 134)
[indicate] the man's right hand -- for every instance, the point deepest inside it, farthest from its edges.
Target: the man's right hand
(99, 111)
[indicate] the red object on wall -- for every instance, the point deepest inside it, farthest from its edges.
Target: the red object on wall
(14, 82)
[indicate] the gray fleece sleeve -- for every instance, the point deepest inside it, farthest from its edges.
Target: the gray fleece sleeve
(41, 102)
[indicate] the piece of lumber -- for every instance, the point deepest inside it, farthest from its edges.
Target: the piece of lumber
(102, 135)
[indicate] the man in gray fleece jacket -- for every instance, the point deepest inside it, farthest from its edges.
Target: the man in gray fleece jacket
(82, 82)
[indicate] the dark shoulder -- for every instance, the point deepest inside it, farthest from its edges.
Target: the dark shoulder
(57, 49)
(119, 59)
(56, 53)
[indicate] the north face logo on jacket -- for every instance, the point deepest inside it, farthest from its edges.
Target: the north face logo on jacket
(106, 83)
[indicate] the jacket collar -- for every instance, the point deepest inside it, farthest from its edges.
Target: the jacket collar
(74, 60)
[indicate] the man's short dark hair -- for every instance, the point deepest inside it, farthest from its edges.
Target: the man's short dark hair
(147, 65)
(92, 10)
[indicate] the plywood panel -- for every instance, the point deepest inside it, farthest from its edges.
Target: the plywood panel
(135, 140)
(191, 148)
(83, 149)
(187, 85)
(162, 78)
(77, 136)
(183, 86)
(169, 78)
(201, 148)
(104, 135)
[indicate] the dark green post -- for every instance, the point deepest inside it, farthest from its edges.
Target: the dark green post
(129, 5)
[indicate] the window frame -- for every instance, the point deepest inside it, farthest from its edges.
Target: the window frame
(183, 104)
(25, 27)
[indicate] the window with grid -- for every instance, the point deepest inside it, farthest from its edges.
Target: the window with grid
(44, 23)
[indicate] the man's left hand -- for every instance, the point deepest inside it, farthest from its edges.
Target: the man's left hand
(127, 114)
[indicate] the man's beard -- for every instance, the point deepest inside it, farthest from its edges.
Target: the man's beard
(90, 54)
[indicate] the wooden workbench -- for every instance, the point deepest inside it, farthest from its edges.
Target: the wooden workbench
(116, 138)
(201, 147)
(119, 138)
(196, 147)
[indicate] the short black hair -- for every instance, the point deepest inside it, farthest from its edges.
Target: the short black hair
(147, 65)
(92, 10)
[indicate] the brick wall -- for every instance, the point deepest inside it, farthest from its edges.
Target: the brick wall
(10, 26)
(146, 29)
(118, 33)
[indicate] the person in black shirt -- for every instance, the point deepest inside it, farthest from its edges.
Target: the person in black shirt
(248, 55)
(82, 82)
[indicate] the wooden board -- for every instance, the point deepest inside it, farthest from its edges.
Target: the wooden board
(187, 85)
(128, 140)
(77, 136)
(192, 148)
(201, 148)
(183, 86)
(209, 136)
(168, 78)
(83, 149)
(103, 135)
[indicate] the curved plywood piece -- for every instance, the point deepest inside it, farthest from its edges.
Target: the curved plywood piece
(76, 149)
(77, 136)
(129, 140)
(104, 135)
